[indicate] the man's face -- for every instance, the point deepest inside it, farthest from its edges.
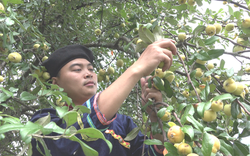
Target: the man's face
(78, 80)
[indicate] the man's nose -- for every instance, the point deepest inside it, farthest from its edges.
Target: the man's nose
(88, 74)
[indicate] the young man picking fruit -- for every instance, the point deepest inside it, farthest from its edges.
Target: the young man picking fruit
(71, 69)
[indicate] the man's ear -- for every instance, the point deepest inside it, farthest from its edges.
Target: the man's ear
(54, 80)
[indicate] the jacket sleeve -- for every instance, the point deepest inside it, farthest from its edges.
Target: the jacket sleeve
(137, 142)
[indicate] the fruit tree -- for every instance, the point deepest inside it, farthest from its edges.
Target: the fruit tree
(206, 99)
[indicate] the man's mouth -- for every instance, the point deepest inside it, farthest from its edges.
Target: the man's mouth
(89, 83)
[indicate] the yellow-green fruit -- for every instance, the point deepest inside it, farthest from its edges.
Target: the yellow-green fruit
(159, 73)
(123, 25)
(240, 41)
(169, 75)
(205, 79)
(53, 5)
(39, 72)
(1, 7)
(192, 154)
(102, 72)
(193, 92)
(111, 70)
(175, 134)
(182, 1)
(152, 21)
(46, 75)
(218, 27)
(119, 63)
(198, 72)
(116, 35)
(217, 77)
(98, 32)
(36, 46)
(209, 115)
(182, 36)
(100, 78)
(184, 149)
(183, 57)
(139, 41)
(230, 85)
(106, 78)
(1, 78)
(44, 58)
(238, 48)
(229, 27)
(246, 23)
(216, 145)
(166, 116)
(210, 30)
(217, 105)
(156, 86)
(185, 93)
(246, 89)
(15, 57)
(224, 2)
(191, 2)
(210, 66)
(161, 65)
(247, 69)
(227, 109)
(45, 47)
(200, 62)
(239, 89)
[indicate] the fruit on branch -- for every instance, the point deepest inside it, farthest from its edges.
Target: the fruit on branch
(227, 109)
(209, 115)
(210, 30)
(246, 89)
(224, 2)
(200, 62)
(239, 89)
(246, 23)
(166, 116)
(182, 1)
(98, 32)
(240, 41)
(100, 78)
(169, 75)
(238, 48)
(111, 70)
(217, 77)
(46, 76)
(183, 57)
(247, 69)
(119, 63)
(1, 7)
(152, 21)
(230, 85)
(36, 46)
(210, 66)
(159, 73)
(199, 72)
(102, 72)
(175, 134)
(14, 57)
(1, 78)
(161, 65)
(184, 149)
(193, 92)
(216, 145)
(139, 41)
(116, 35)
(202, 86)
(106, 79)
(182, 36)
(248, 6)
(218, 27)
(191, 2)
(44, 58)
(185, 93)
(205, 79)
(217, 105)
(38, 72)
(144, 128)
(229, 27)
(123, 24)
(192, 154)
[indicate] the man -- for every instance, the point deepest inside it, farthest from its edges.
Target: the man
(71, 69)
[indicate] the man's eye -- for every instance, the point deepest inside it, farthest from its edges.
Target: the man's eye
(77, 70)
(91, 69)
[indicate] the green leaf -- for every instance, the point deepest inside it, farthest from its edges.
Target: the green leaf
(26, 96)
(44, 120)
(9, 21)
(215, 53)
(240, 149)
(211, 40)
(158, 83)
(195, 123)
(189, 110)
(61, 111)
(3, 97)
(172, 150)
(245, 133)
(8, 93)
(161, 112)
(222, 64)
(207, 144)
(55, 128)
(152, 142)
(168, 89)
(198, 30)
(227, 147)
(82, 109)
(29, 128)
(158, 34)
(202, 107)
(188, 130)
(230, 72)
(70, 117)
(15, 1)
(146, 35)
(223, 97)
(132, 134)
(45, 148)
(11, 120)
(230, 10)
(10, 127)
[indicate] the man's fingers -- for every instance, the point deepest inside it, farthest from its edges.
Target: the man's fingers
(167, 44)
(168, 59)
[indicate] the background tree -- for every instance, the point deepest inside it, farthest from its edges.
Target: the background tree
(204, 99)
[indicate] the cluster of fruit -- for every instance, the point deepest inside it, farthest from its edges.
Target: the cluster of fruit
(104, 75)
(42, 74)
(236, 88)
(176, 136)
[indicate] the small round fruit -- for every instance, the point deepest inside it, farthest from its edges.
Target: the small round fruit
(139, 41)
(46, 75)
(14, 57)
(192, 154)
(123, 25)
(39, 72)
(166, 116)
(116, 35)
(210, 66)
(229, 27)
(246, 23)
(111, 70)
(240, 41)
(183, 57)
(1, 7)
(209, 115)
(239, 89)
(238, 48)
(184, 149)
(119, 63)
(175, 134)
(193, 92)
(205, 79)
(36, 46)
(200, 62)
(182, 36)
(45, 47)
(216, 145)
(218, 28)
(224, 2)
(98, 32)
(159, 73)
(227, 109)
(1, 78)
(185, 93)
(100, 78)
(169, 75)
(106, 78)
(44, 58)
(230, 85)
(198, 72)
(161, 65)
(210, 30)
(191, 2)
(102, 72)
(217, 105)
(182, 1)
